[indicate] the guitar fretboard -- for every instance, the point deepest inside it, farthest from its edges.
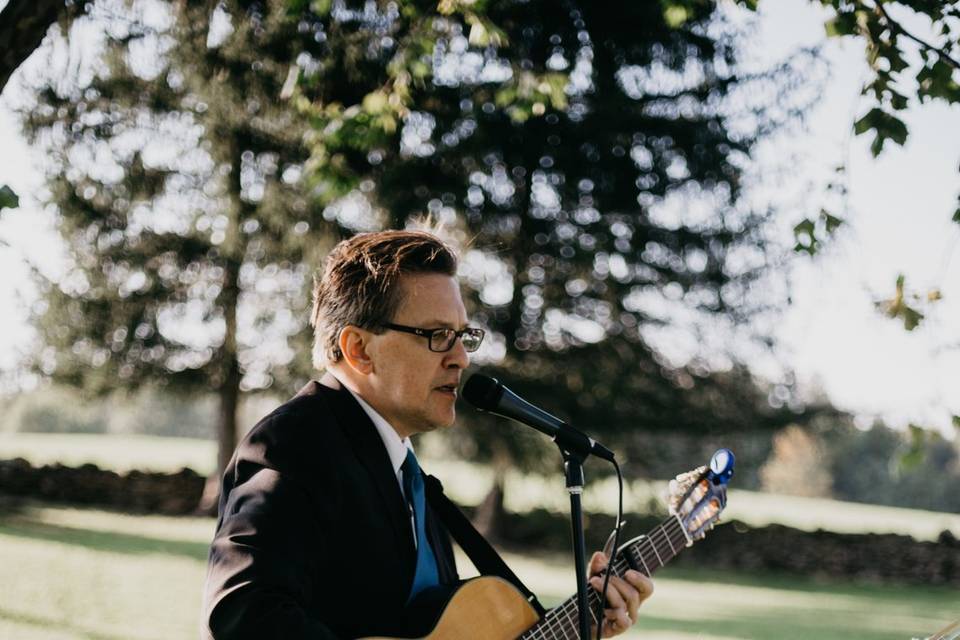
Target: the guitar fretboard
(646, 554)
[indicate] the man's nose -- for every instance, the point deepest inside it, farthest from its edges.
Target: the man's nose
(458, 356)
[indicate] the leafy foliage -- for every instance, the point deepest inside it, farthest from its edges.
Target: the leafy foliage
(175, 173)
(590, 157)
(8, 198)
(906, 306)
(916, 469)
(889, 46)
(593, 157)
(905, 69)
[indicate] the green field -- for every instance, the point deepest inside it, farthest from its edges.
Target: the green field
(83, 573)
(467, 483)
(87, 573)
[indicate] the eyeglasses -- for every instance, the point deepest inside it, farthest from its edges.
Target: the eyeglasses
(441, 340)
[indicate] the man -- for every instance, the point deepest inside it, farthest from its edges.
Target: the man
(323, 529)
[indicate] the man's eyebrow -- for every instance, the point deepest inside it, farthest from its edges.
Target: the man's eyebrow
(443, 324)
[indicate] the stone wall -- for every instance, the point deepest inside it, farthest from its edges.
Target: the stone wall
(138, 492)
(876, 558)
(867, 557)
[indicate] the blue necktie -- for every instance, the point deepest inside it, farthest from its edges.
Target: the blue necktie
(426, 574)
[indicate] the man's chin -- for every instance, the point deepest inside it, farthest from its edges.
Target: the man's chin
(440, 422)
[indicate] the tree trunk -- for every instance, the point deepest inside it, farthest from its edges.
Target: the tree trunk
(229, 391)
(231, 251)
(488, 518)
(489, 514)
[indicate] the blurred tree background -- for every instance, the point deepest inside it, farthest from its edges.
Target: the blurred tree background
(174, 171)
(590, 159)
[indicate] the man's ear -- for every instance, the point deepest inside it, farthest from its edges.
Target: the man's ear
(353, 342)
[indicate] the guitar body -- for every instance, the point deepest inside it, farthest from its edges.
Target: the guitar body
(485, 608)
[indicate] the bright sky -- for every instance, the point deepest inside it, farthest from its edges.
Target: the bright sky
(899, 222)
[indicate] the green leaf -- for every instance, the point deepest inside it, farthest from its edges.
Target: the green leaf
(843, 24)
(886, 126)
(936, 81)
(675, 16)
(915, 454)
(897, 63)
(321, 7)
(295, 7)
(911, 318)
(867, 122)
(8, 199)
(804, 227)
(897, 307)
(831, 222)
(804, 232)
(898, 101)
(479, 36)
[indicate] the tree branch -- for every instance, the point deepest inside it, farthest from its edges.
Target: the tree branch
(23, 24)
(897, 27)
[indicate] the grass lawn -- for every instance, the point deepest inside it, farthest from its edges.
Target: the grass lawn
(84, 573)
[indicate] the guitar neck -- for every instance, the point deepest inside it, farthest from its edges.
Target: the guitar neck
(645, 554)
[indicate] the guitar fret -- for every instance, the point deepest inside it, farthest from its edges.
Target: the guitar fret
(643, 562)
(564, 623)
(683, 529)
(682, 536)
(560, 622)
(672, 550)
(551, 620)
(662, 551)
(571, 610)
(654, 547)
(574, 624)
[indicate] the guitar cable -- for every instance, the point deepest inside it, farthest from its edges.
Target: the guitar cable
(613, 552)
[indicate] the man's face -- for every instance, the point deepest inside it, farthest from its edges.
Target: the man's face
(412, 387)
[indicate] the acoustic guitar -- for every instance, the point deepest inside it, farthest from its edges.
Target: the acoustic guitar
(950, 632)
(490, 608)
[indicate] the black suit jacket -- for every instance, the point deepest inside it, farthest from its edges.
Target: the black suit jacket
(313, 538)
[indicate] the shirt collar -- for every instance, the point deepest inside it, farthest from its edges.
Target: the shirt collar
(396, 446)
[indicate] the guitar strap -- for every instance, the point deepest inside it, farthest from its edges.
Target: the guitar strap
(483, 556)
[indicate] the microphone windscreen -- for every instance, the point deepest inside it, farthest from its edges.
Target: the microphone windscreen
(482, 391)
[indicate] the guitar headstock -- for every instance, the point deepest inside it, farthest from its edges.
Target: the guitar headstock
(697, 497)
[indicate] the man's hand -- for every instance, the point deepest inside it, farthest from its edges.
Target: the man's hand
(624, 595)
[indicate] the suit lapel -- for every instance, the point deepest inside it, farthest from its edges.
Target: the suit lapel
(369, 448)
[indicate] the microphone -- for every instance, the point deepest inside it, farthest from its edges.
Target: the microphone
(488, 394)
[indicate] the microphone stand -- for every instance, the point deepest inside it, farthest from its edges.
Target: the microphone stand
(573, 466)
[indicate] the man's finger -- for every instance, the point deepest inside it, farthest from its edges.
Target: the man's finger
(614, 599)
(598, 562)
(615, 622)
(640, 582)
(623, 591)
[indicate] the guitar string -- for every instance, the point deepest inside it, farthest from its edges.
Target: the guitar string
(569, 607)
(667, 532)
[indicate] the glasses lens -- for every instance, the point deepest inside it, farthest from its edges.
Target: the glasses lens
(442, 339)
(472, 339)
